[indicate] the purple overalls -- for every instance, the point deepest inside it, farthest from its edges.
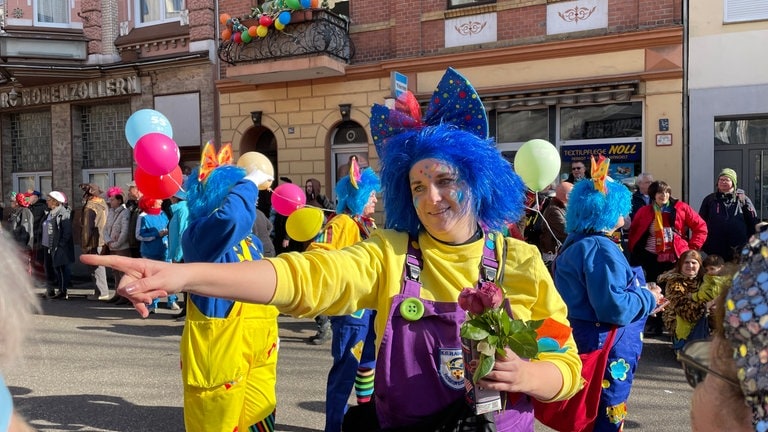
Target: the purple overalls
(419, 366)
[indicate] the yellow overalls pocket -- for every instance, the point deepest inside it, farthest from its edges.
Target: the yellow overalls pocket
(212, 351)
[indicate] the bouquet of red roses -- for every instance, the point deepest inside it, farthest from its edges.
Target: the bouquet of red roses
(493, 329)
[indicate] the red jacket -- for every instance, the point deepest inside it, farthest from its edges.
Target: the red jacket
(685, 218)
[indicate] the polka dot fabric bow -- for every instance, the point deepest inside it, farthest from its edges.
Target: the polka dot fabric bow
(454, 101)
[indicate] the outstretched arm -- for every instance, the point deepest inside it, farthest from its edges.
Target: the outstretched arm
(145, 280)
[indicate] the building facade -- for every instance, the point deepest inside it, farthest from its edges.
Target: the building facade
(728, 97)
(590, 76)
(74, 72)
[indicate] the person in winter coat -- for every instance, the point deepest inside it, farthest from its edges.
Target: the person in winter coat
(730, 216)
(39, 210)
(57, 238)
(117, 232)
(92, 221)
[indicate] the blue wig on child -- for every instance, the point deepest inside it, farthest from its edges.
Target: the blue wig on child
(497, 192)
(353, 199)
(590, 210)
(203, 197)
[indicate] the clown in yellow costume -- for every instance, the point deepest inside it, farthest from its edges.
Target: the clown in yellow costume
(228, 348)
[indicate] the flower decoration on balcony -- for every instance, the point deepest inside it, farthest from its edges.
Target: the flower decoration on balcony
(274, 14)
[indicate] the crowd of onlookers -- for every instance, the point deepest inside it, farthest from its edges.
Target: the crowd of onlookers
(687, 253)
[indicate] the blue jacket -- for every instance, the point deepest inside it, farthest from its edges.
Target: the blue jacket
(153, 246)
(176, 227)
(594, 278)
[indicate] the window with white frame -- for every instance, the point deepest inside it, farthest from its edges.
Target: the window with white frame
(465, 3)
(150, 12)
(744, 10)
(52, 13)
(35, 181)
(106, 178)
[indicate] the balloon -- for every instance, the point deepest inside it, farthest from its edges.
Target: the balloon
(265, 20)
(287, 198)
(223, 18)
(284, 18)
(246, 36)
(226, 34)
(304, 224)
(293, 4)
(279, 26)
(252, 31)
(238, 38)
(262, 31)
(145, 121)
(157, 154)
(159, 187)
(306, 4)
(256, 160)
(537, 163)
(315, 4)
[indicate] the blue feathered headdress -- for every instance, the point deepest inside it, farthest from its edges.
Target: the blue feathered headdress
(354, 190)
(591, 209)
(210, 182)
(454, 130)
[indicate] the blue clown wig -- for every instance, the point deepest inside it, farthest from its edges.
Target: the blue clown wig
(589, 210)
(353, 200)
(205, 197)
(497, 193)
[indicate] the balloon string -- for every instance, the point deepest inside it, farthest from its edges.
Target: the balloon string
(181, 188)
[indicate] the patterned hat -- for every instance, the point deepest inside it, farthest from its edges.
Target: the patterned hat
(746, 326)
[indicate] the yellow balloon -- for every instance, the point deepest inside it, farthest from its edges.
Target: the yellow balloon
(253, 160)
(304, 224)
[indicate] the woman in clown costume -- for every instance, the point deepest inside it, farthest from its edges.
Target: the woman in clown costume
(228, 348)
(447, 191)
(353, 346)
(601, 289)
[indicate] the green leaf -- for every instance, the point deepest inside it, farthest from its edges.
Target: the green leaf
(484, 347)
(471, 331)
(484, 367)
(524, 344)
(534, 325)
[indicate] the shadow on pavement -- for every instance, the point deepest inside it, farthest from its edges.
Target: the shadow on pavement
(93, 413)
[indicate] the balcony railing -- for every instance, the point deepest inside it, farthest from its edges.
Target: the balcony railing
(310, 32)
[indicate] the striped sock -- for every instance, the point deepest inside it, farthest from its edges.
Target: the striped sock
(364, 385)
(266, 425)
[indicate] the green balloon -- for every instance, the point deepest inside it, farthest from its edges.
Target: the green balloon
(293, 4)
(537, 163)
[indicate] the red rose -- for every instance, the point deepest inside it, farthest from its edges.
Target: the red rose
(470, 301)
(490, 295)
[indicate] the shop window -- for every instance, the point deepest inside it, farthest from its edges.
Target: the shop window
(349, 139)
(511, 129)
(741, 132)
(103, 131)
(149, 12)
(595, 122)
(744, 10)
(52, 13)
(36, 181)
(452, 4)
(30, 141)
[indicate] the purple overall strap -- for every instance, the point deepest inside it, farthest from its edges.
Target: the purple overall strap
(412, 269)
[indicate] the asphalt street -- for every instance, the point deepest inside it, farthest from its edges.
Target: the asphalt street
(92, 366)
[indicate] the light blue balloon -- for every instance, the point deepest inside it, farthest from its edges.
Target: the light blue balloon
(145, 121)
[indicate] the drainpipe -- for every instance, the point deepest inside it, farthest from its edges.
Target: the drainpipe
(686, 104)
(216, 76)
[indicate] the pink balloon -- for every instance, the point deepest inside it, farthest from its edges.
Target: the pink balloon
(156, 153)
(287, 198)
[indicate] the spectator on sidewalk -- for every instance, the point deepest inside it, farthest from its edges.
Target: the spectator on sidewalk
(92, 220)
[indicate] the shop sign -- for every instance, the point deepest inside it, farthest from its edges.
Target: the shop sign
(71, 92)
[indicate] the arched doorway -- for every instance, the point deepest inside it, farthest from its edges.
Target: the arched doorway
(262, 140)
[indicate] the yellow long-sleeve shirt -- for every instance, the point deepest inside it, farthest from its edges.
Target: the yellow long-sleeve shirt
(370, 273)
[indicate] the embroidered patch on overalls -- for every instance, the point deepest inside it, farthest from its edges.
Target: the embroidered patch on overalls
(452, 368)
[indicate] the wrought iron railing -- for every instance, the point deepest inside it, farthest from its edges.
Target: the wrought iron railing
(310, 32)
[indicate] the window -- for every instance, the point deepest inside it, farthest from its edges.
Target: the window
(107, 178)
(52, 13)
(30, 141)
(594, 122)
(39, 181)
(183, 111)
(741, 132)
(348, 140)
(452, 4)
(513, 128)
(744, 10)
(103, 131)
(158, 11)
